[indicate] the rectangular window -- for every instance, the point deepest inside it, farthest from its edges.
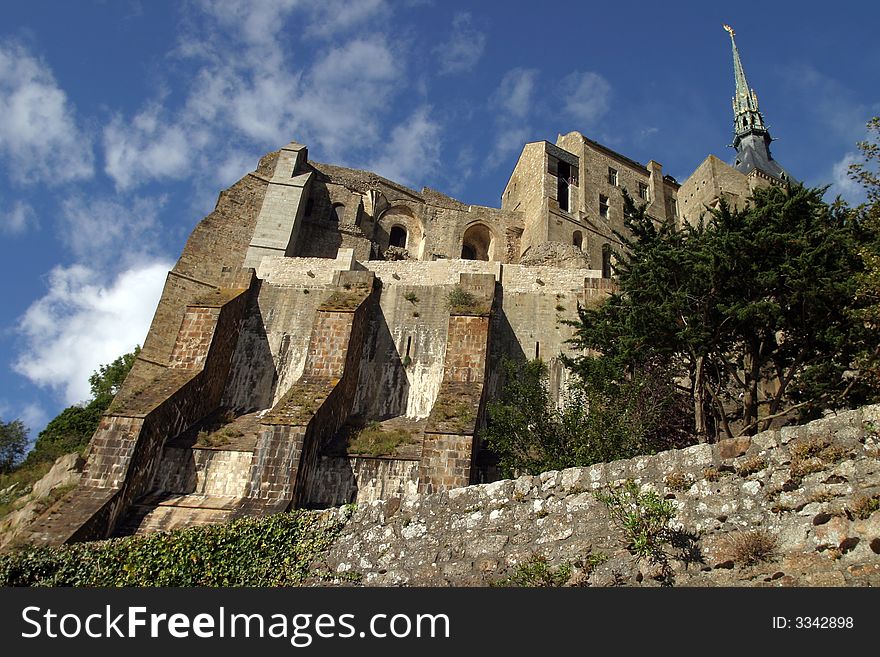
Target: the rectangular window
(643, 192)
(603, 206)
(612, 176)
(563, 180)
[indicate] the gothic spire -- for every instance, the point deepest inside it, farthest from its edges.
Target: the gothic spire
(751, 137)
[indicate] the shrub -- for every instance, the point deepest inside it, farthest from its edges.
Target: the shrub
(643, 517)
(752, 547)
(862, 507)
(602, 420)
(751, 465)
(537, 573)
(411, 297)
(460, 300)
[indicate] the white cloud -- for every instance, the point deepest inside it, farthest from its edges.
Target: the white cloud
(18, 219)
(82, 323)
(587, 96)
(508, 141)
(256, 22)
(413, 152)
(512, 103)
(247, 91)
(106, 231)
(843, 185)
(34, 417)
(39, 137)
(147, 148)
(514, 94)
(463, 49)
(332, 17)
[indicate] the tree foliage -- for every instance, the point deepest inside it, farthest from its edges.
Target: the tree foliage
(72, 429)
(752, 310)
(13, 444)
(604, 418)
(867, 173)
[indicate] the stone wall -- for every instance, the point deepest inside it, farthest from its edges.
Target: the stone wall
(799, 486)
(361, 479)
(310, 413)
(209, 472)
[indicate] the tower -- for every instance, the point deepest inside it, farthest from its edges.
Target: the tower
(751, 137)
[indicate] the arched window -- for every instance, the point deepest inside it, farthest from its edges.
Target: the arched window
(578, 239)
(338, 213)
(477, 243)
(397, 237)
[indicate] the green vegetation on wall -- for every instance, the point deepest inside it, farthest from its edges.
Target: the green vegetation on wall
(275, 550)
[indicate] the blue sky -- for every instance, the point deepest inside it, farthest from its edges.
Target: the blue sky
(120, 122)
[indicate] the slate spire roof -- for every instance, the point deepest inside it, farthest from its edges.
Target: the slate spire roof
(751, 137)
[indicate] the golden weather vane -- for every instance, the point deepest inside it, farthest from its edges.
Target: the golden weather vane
(729, 29)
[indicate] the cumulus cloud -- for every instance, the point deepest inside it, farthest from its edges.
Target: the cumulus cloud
(18, 219)
(512, 104)
(587, 96)
(463, 49)
(147, 148)
(82, 323)
(247, 91)
(514, 94)
(39, 137)
(413, 152)
(109, 231)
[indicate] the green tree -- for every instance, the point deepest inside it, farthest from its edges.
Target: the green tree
(867, 173)
(751, 310)
(604, 418)
(72, 429)
(13, 444)
(108, 379)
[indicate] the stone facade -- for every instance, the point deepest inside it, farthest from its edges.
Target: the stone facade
(316, 300)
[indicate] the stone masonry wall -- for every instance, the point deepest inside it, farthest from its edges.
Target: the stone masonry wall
(447, 453)
(361, 479)
(800, 486)
(209, 472)
(293, 432)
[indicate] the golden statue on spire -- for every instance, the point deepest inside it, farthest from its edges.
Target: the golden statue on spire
(729, 29)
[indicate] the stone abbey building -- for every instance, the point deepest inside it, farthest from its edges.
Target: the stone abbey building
(318, 303)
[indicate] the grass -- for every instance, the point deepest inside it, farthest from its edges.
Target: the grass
(751, 465)
(711, 474)
(678, 481)
(372, 440)
(813, 455)
(752, 547)
(19, 482)
(862, 507)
